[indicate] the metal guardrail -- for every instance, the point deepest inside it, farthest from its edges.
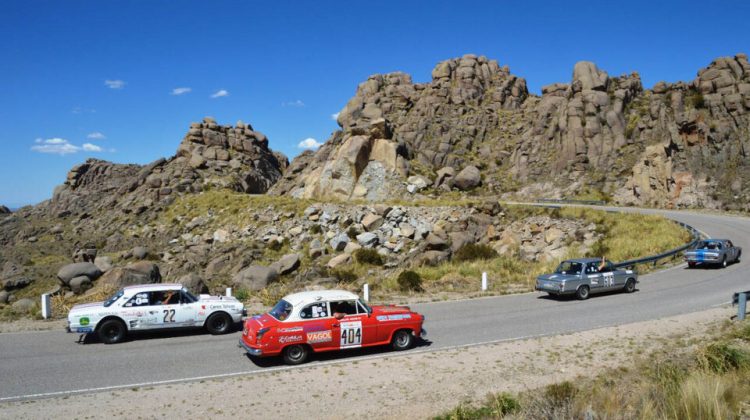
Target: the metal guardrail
(740, 299)
(649, 259)
(565, 201)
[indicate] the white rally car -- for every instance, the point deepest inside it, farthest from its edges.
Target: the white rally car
(154, 306)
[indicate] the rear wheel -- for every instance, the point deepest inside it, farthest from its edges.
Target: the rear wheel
(296, 354)
(402, 340)
(630, 286)
(218, 323)
(111, 331)
(582, 293)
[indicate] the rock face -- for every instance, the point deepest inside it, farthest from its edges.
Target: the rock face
(667, 147)
(4, 210)
(142, 272)
(255, 278)
(392, 122)
(210, 154)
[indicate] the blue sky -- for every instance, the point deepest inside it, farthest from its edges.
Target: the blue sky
(98, 78)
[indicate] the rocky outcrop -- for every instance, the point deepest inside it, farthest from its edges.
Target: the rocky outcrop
(392, 125)
(4, 211)
(210, 155)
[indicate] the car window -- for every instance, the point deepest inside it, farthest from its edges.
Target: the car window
(140, 299)
(316, 310)
(569, 267)
(281, 310)
(114, 298)
(348, 307)
(729, 244)
(165, 297)
(362, 308)
(592, 267)
(187, 297)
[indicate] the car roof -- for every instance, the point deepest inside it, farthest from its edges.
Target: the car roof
(319, 295)
(149, 287)
(584, 260)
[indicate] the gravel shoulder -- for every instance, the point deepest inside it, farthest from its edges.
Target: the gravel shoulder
(415, 385)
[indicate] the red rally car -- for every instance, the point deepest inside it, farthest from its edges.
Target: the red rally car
(327, 320)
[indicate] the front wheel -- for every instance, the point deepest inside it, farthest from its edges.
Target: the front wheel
(691, 264)
(724, 262)
(218, 323)
(582, 293)
(630, 286)
(112, 331)
(296, 354)
(402, 340)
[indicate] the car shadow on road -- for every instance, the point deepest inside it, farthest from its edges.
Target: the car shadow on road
(92, 338)
(343, 355)
(572, 297)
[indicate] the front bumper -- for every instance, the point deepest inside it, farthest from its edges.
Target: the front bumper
(79, 329)
(250, 350)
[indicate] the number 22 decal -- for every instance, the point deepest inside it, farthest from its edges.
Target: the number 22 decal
(169, 315)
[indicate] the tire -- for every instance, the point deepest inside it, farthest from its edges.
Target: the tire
(112, 331)
(582, 293)
(630, 286)
(219, 323)
(402, 340)
(724, 261)
(691, 264)
(739, 254)
(296, 354)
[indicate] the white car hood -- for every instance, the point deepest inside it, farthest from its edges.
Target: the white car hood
(212, 299)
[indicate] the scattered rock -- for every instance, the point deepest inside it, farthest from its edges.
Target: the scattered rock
(220, 235)
(4, 295)
(339, 260)
(140, 253)
(431, 258)
(468, 178)
(16, 283)
(23, 305)
(287, 264)
(351, 247)
(339, 242)
(4, 210)
(68, 272)
(372, 222)
(141, 272)
(104, 263)
(194, 283)
(80, 284)
(367, 239)
(254, 278)
(435, 242)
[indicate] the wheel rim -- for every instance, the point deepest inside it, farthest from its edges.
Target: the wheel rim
(295, 353)
(402, 339)
(631, 286)
(112, 332)
(584, 292)
(219, 323)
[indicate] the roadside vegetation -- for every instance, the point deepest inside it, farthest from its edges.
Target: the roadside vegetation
(707, 379)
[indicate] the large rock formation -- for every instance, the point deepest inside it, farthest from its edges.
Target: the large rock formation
(236, 158)
(676, 145)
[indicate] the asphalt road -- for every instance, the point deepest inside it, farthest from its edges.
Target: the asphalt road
(43, 364)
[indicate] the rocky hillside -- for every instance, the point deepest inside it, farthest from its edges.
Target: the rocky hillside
(476, 127)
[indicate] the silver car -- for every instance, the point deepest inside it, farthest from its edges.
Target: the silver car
(582, 277)
(713, 251)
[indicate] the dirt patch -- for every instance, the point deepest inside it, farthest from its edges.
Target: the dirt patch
(416, 385)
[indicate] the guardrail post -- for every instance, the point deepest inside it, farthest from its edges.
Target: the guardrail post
(484, 281)
(366, 292)
(229, 291)
(742, 301)
(46, 306)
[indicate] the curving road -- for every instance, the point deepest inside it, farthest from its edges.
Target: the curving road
(44, 364)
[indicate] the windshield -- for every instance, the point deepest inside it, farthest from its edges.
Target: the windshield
(362, 302)
(113, 298)
(281, 311)
(190, 297)
(708, 245)
(569, 267)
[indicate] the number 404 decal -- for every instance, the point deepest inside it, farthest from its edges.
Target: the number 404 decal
(351, 334)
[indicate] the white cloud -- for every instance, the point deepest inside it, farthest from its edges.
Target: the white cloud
(295, 104)
(181, 91)
(62, 147)
(96, 135)
(309, 143)
(114, 84)
(88, 147)
(335, 116)
(220, 94)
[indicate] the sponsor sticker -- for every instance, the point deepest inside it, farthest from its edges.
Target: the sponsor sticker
(319, 337)
(289, 339)
(85, 330)
(351, 334)
(84, 321)
(397, 317)
(290, 329)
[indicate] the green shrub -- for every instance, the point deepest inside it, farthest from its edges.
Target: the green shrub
(241, 294)
(352, 233)
(560, 394)
(343, 275)
(697, 100)
(472, 252)
(496, 406)
(368, 256)
(409, 281)
(721, 358)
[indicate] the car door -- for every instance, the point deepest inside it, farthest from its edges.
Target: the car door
(612, 277)
(165, 310)
(350, 328)
(594, 277)
(138, 312)
(369, 326)
(318, 325)
(731, 251)
(186, 311)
